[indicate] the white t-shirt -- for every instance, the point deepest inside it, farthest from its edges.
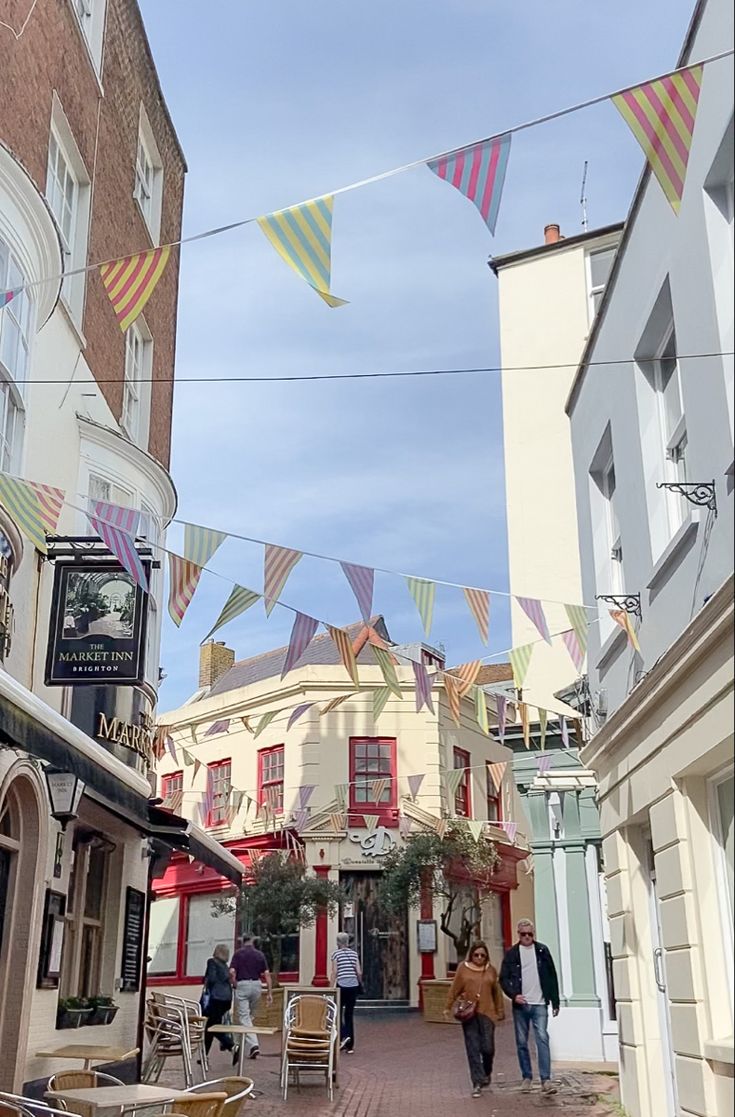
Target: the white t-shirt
(530, 981)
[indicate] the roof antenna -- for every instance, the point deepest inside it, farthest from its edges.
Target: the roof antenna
(583, 198)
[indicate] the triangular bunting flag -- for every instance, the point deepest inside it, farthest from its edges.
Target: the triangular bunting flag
(534, 610)
(475, 827)
(466, 674)
(573, 646)
(265, 721)
(221, 726)
(371, 822)
(453, 778)
(187, 758)
(362, 582)
(440, 826)
(478, 172)
(579, 620)
(298, 712)
(525, 723)
(201, 543)
(564, 730)
(385, 662)
(305, 793)
(378, 789)
(346, 652)
(302, 236)
(247, 723)
(380, 699)
(423, 687)
(423, 593)
(496, 768)
(340, 793)
(237, 798)
(171, 747)
(543, 721)
(130, 282)
(333, 703)
(621, 617)
(414, 785)
(197, 766)
(544, 763)
(337, 820)
(404, 826)
(278, 564)
(478, 602)
(301, 818)
(117, 528)
(451, 686)
(511, 829)
(238, 602)
(520, 659)
(35, 508)
(183, 578)
(302, 634)
(501, 705)
(661, 115)
(481, 710)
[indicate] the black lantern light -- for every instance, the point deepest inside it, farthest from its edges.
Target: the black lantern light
(65, 789)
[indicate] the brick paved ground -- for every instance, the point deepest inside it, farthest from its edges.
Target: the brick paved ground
(406, 1068)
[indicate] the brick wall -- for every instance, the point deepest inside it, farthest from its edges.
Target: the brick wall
(52, 56)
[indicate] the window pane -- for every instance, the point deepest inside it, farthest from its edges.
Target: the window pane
(725, 793)
(207, 926)
(95, 890)
(163, 935)
(600, 264)
(671, 389)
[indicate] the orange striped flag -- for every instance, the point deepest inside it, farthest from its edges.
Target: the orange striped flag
(478, 602)
(466, 675)
(131, 281)
(623, 619)
(346, 653)
(451, 686)
(183, 578)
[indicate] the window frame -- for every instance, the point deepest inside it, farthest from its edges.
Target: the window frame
(494, 796)
(265, 786)
(75, 979)
(12, 384)
(597, 289)
(91, 23)
(725, 904)
(673, 443)
(167, 779)
(387, 809)
(148, 196)
(462, 805)
(215, 766)
(74, 243)
(138, 341)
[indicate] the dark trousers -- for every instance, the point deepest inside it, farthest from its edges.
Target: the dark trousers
(347, 998)
(479, 1040)
(215, 1012)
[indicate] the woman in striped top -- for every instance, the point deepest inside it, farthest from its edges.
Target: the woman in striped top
(346, 975)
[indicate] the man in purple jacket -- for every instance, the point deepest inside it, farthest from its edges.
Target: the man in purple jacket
(248, 972)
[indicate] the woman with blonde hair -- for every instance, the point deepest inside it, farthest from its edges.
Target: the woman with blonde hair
(476, 1000)
(217, 998)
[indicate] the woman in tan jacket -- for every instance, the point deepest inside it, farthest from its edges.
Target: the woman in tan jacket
(476, 981)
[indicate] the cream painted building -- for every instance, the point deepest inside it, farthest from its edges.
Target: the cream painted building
(338, 755)
(547, 296)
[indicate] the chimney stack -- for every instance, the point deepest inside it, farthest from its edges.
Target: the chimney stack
(552, 234)
(214, 659)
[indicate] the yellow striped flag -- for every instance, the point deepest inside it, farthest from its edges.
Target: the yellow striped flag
(131, 281)
(387, 669)
(520, 660)
(623, 619)
(380, 698)
(423, 593)
(481, 710)
(466, 675)
(661, 114)
(526, 724)
(183, 580)
(478, 602)
(34, 507)
(346, 652)
(302, 236)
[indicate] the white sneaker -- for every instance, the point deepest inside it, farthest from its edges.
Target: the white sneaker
(548, 1087)
(526, 1086)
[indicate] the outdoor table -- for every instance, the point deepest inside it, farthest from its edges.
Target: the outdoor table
(242, 1030)
(89, 1053)
(119, 1097)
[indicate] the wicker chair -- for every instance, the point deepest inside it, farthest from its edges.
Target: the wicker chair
(80, 1080)
(11, 1109)
(199, 1105)
(238, 1090)
(306, 1047)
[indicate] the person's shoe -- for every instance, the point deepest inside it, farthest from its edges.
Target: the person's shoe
(477, 1092)
(526, 1086)
(548, 1087)
(254, 1053)
(235, 1054)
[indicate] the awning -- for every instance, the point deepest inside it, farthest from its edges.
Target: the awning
(184, 835)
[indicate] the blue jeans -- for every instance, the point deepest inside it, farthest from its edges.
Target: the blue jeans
(523, 1017)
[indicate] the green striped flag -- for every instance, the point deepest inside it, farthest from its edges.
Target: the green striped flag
(265, 721)
(520, 660)
(543, 721)
(423, 593)
(453, 779)
(579, 621)
(35, 508)
(385, 663)
(481, 710)
(380, 698)
(238, 602)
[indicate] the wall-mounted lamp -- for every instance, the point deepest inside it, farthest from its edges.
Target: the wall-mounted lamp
(65, 789)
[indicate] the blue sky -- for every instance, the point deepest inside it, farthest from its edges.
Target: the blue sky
(280, 101)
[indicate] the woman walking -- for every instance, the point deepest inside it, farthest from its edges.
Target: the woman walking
(217, 998)
(346, 975)
(476, 999)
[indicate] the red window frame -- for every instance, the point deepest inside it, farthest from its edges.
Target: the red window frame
(361, 774)
(494, 801)
(172, 790)
(213, 814)
(269, 788)
(463, 797)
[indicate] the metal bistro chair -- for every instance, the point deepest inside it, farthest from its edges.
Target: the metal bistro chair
(190, 1015)
(238, 1090)
(167, 1039)
(80, 1080)
(200, 1105)
(310, 1040)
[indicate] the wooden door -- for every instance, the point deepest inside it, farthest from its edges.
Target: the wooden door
(380, 940)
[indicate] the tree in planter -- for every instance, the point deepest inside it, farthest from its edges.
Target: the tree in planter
(455, 865)
(278, 898)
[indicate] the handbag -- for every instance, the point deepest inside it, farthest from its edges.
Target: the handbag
(204, 1001)
(464, 1008)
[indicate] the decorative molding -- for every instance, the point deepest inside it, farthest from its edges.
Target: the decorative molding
(628, 602)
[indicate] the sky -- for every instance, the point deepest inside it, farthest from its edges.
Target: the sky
(280, 101)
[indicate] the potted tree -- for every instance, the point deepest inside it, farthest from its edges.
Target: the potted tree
(104, 1010)
(72, 1012)
(458, 869)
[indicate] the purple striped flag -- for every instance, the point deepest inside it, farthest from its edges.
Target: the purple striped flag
(544, 763)
(478, 172)
(221, 726)
(511, 829)
(362, 583)
(573, 646)
(305, 794)
(404, 826)
(501, 705)
(298, 712)
(302, 634)
(423, 688)
(117, 527)
(301, 819)
(533, 609)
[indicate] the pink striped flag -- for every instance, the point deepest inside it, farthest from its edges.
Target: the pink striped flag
(478, 172)
(302, 634)
(298, 712)
(130, 282)
(414, 784)
(117, 528)
(278, 564)
(661, 115)
(50, 504)
(479, 605)
(511, 829)
(573, 646)
(183, 580)
(423, 688)
(362, 583)
(404, 826)
(8, 296)
(534, 610)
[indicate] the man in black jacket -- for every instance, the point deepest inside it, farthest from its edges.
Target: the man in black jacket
(528, 978)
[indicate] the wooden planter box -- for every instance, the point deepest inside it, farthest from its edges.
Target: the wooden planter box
(434, 996)
(270, 1016)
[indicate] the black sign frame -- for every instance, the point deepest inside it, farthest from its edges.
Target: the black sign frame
(52, 926)
(125, 654)
(132, 950)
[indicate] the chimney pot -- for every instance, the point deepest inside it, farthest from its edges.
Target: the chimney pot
(214, 659)
(552, 234)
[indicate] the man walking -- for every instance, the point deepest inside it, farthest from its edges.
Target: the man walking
(248, 970)
(528, 978)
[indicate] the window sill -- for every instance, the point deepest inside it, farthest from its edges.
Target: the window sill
(673, 553)
(611, 649)
(720, 1051)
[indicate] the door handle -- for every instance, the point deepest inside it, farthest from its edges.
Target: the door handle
(658, 956)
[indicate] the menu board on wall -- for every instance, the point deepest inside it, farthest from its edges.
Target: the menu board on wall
(132, 952)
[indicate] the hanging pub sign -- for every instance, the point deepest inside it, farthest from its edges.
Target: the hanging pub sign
(98, 626)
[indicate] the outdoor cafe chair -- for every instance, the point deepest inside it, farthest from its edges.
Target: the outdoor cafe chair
(237, 1089)
(199, 1105)
(168, 1038)
(194, 1024)
(310, 1040)
(79, 1080)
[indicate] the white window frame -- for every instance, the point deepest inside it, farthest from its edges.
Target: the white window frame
(16, 316)
(593, 290)
(673, 442)
(135, 413)
(718, 852)
(148, 179)
(74, 241)
(607, 551)
(614, 541)
(90, 16)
